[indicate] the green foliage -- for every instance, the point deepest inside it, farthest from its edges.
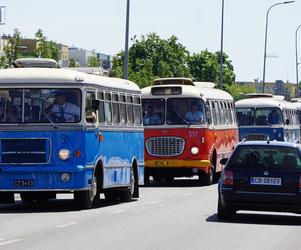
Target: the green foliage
(45, 48)
(72, 63)
(12, 50)
(93, 62)
(151, 57)
(238, 91)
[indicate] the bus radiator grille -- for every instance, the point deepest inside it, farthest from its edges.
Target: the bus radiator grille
(165, 146)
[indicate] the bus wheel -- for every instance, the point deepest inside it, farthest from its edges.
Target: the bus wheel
(127, 194)
(206, 178)
(27, 197)
(146, 178)
(85, 199)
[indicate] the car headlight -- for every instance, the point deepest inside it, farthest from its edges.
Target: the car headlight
(194, 150)
(64, 154)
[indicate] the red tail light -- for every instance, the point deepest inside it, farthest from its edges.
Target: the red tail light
(228, 178)
(300, 182)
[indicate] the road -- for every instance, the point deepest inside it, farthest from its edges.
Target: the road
(179, 216)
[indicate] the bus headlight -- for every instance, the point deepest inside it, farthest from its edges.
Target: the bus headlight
(64, 154)
(194, 150)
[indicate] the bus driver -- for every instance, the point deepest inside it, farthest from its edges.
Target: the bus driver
(194, 116)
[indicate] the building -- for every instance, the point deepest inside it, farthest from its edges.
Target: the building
(275, 88)
(64, 55)
(106, 61)
(81, 56)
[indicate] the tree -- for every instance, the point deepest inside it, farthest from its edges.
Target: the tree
(72, 63)
(12, 51)
(93, 62)
(237, 91)
(46, 49)
(151, 57)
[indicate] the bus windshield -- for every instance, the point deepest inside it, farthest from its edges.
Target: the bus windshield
(39, 105)
(182, 111)
(153, 111)
(260, 116)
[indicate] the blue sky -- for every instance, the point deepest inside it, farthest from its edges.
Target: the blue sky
(100, 25)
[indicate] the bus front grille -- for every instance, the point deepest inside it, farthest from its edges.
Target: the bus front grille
(24, 151)
(256, 137)
(165, 146)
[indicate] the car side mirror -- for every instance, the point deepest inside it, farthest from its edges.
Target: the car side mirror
(95, 104)
(223, 161)
(287, 121)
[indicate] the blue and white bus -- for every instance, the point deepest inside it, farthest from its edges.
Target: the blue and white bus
(266, 117)
(64, 131)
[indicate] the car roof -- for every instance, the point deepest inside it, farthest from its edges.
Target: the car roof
(269, 143)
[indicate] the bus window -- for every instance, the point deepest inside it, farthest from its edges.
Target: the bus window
(268, 116)
(122, 109)
(115, 104)
(101, 110)
(153, 111)
(129, 108)
(89, 112)
(185, 110)
(245, 116)
(108, 108)
(137, 110)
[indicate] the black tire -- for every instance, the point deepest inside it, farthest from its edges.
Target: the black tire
(111, 196)
(224, 212)
(146, 178)
(127, 194)
(28, 197)
(206, 179)
(7, 198)
(85, 199)
(157, 179)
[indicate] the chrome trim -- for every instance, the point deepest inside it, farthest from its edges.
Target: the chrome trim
(167, 143)
(33, 138)
(255, 137)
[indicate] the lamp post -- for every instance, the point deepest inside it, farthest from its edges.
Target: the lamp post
(126, 49)
(297, 63)
(221, 52)
(265, 39)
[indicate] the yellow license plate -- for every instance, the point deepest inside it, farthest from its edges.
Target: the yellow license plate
(164, 163)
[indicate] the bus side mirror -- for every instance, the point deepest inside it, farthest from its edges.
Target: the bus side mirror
(95, 104)
(223, 161)
(287, 121)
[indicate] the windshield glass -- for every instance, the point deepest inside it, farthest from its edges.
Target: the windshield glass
(153, 111)
(40, 105)
(268, 116)
(251, 156)
(245, 116)
(182, 111)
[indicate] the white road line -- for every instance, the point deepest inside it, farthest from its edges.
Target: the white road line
(7, 242)
(67, 225)
(119, 211)
(187, 194)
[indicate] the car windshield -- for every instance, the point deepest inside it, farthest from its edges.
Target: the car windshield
(182, 111)
(153, 111)
(265, 156)
(39, 106)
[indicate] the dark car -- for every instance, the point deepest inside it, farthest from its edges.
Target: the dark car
(262, 176)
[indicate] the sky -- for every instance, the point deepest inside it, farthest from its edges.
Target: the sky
(100, 25)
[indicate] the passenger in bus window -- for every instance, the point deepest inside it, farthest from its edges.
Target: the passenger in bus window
(194, 116)
(274, 117)
(63, 111)
(150, 118)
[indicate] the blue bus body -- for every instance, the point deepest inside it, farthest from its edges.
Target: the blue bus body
(255, 121)
(40, 159)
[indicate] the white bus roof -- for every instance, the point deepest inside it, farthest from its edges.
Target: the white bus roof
(191, 92)
(17, 76)
(264, 102)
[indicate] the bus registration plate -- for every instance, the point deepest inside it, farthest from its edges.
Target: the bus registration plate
(24, 183)
(164, 163)
(266, 181)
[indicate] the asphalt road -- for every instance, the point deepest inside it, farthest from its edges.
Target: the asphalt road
(178, 216)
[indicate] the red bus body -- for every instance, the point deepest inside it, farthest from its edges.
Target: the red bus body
(183, 150)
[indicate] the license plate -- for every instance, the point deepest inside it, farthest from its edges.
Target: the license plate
(265, 181)
(164, 163)
(24, 183)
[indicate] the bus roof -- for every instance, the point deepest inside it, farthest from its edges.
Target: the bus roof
(45, 76)
(197, 91)
(264, 102)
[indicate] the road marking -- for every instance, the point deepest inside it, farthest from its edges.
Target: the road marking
(187, 194)
(67, 225)
(119, 211)
(7, 242)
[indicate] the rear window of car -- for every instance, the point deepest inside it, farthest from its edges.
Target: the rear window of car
(265, 156)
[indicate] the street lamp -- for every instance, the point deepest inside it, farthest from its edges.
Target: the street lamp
(297, 63)
(221, 52)
(265, 40)
(126, 49)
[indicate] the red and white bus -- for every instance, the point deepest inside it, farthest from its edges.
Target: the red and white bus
(189, 127)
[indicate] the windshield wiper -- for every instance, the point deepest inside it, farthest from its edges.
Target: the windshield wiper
(49, 119)
(187, 123)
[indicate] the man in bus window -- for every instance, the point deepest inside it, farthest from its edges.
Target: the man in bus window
(150, 118)
(64, 111)
(194, 116)
(274, 117)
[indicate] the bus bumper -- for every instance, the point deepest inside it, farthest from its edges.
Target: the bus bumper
(73, 178)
